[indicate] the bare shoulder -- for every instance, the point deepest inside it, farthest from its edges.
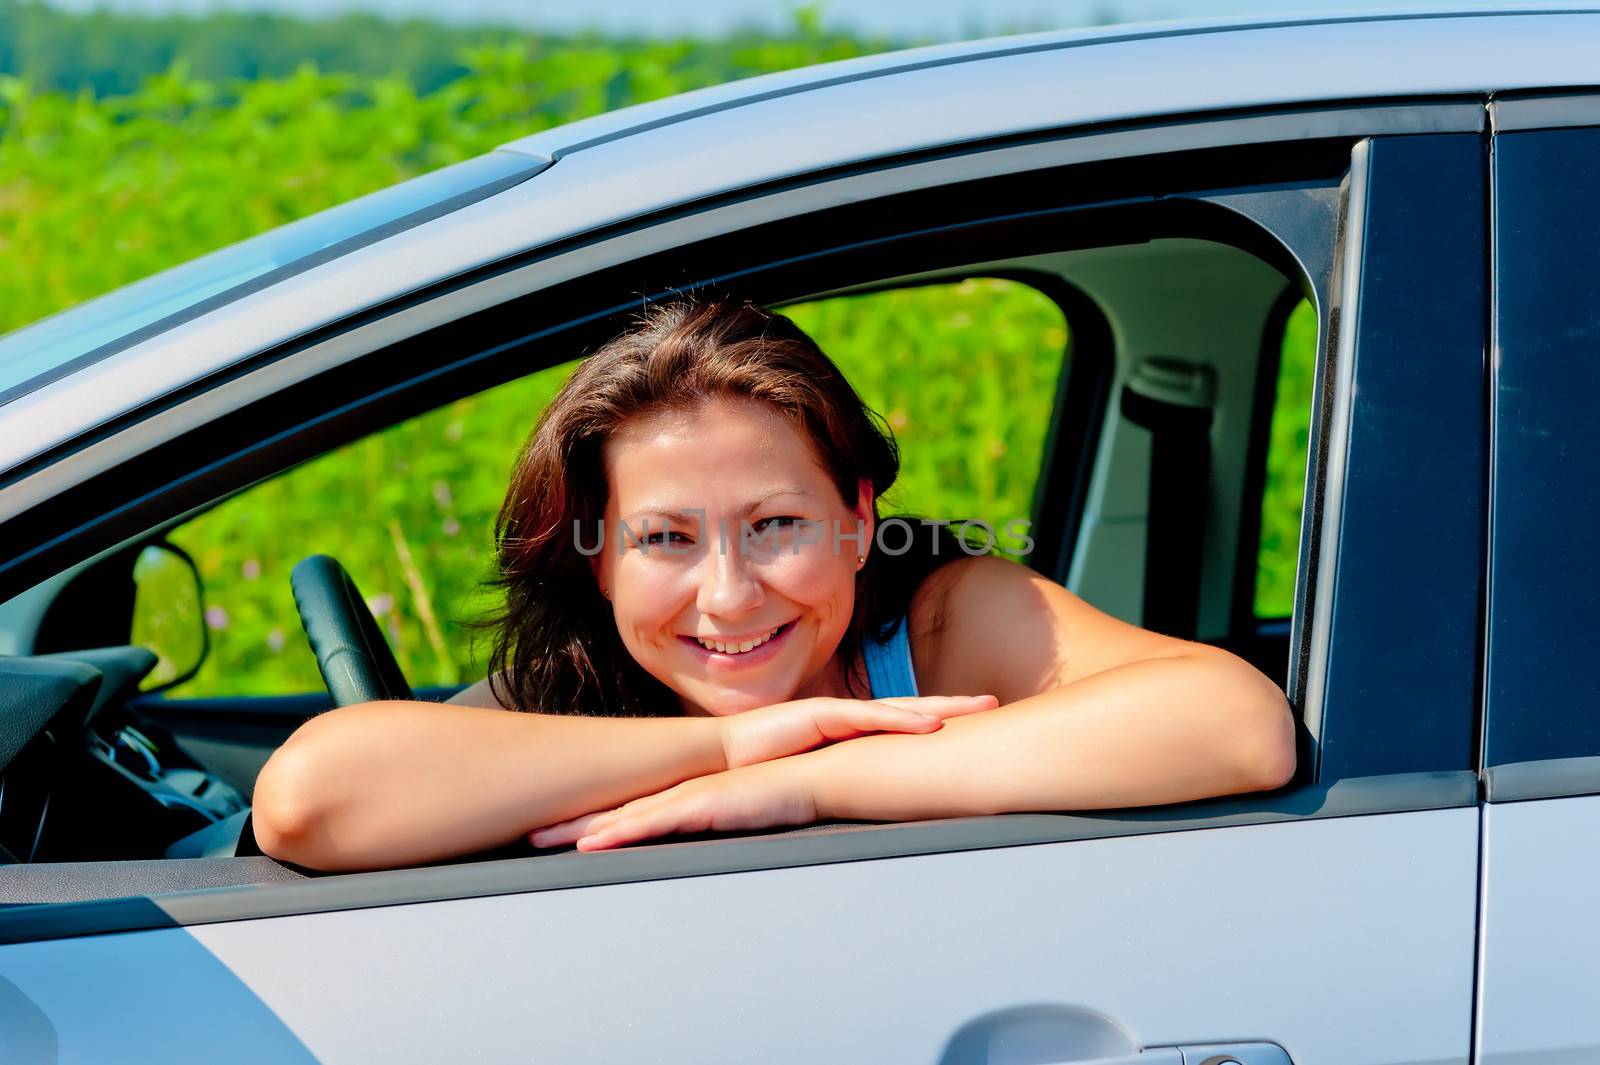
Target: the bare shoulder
(988, 624)
(480, 694)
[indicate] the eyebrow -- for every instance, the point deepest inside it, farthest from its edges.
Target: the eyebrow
(659, 510)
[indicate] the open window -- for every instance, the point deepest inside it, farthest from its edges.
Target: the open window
(1100, 303)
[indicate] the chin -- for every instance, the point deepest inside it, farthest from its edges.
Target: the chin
(737, 704)
(728, 703)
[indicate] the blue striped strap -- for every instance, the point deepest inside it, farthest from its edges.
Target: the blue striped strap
(889, 663)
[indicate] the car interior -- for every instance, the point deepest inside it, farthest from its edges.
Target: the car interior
(1148, 503)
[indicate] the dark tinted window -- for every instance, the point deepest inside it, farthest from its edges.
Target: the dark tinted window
(1543, 687)
(1401, 686)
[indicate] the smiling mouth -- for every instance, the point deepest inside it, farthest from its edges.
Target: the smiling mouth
(749, 646)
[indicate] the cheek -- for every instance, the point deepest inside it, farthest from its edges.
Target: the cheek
(816, 578)
(647, 601)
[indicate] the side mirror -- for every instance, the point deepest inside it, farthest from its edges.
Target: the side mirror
(169, 614)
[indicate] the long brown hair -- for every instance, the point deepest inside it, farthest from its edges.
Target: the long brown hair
(556, 647)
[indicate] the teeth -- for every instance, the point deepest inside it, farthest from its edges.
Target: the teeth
(736, 648)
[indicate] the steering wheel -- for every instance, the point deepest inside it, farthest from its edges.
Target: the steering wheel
(355, 659)
(357, 666)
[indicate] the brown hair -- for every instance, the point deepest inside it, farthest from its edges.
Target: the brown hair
(556, 643)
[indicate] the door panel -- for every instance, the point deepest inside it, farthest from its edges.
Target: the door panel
(1539, 938)
(1541, 942)
(1346, 941)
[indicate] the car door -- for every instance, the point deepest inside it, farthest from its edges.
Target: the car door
(1539, 938)
(1332, 922)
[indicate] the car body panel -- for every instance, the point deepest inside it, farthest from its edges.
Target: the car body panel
(1207, 63)
(1344, 939)
(1170, 939)
(1539, 940)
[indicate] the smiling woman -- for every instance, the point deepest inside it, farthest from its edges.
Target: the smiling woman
(693, 660)
(734, 474)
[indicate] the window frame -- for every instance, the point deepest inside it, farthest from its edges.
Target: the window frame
(334, 405)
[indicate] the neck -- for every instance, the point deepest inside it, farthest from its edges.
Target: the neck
(830, 681)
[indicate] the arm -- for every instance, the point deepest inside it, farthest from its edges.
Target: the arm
(401, 783)
(1154, 731)
(1157, 731)
(1096, 714)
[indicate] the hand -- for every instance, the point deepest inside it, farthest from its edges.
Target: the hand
(783, 729)
(758, 796)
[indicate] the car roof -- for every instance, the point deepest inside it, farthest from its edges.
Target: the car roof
(750, 133)
(1470, 35)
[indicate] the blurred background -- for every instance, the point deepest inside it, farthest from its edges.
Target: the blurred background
(139, 134)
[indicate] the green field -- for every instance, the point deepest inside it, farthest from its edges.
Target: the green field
(99, 188)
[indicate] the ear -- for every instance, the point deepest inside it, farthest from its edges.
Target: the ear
(865, 496)
(597, 566)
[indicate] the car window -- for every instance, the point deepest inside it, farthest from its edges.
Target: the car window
(1540, 685)
(1284, 492)
(964, 374)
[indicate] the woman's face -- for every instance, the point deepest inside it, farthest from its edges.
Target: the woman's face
(703, 544)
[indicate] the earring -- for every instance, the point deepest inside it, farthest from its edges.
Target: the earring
(861, 560)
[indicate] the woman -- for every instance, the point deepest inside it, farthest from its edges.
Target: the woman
(700, 607)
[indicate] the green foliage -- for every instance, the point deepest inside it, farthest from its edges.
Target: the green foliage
(965, 376)
(106, 53)
(1286, 467)
(410, 513)
(95, 193)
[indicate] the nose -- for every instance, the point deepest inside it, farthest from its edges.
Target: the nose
(729, 584)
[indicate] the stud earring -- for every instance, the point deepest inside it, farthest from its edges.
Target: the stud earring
(861, 560)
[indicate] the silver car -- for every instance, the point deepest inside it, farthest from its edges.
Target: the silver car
(1423, 184)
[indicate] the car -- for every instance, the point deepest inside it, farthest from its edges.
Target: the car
(1420, 185)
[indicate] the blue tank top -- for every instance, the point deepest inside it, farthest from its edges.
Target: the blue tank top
(889, 663)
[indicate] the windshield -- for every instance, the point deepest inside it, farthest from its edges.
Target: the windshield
(35, 355)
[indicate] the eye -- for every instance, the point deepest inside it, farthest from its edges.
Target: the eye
(664, 537)
(786, 521)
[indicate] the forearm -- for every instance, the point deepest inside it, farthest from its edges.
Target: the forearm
(400, 783)
(1158, 731)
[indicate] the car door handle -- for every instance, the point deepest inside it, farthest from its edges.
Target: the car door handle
(1236, 1054)
(1149, 1056)
(1218, 1054)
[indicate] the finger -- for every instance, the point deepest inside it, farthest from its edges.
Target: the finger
(565, 832)
(855, 716)
(568, 831)
(658, 822)
(944, 706)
